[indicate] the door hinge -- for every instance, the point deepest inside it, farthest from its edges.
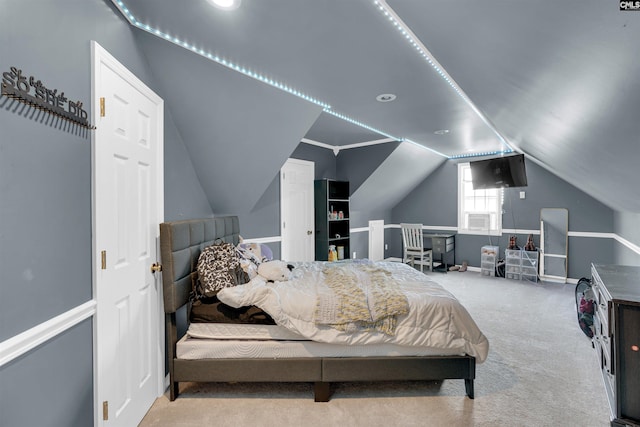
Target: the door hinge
(105, 410)
(102, 107)
(103, 256)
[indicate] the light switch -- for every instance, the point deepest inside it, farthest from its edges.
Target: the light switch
(522, 194)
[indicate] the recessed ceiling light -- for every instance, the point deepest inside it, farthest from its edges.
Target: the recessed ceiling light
(441, 131)
(226, 4)
(385, 97)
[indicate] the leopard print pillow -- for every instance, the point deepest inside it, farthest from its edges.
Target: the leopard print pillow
(217, 267)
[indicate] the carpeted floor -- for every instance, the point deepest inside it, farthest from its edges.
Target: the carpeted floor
(541, 371)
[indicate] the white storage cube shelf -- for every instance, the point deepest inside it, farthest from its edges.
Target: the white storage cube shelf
(521, 265)
(488, 258)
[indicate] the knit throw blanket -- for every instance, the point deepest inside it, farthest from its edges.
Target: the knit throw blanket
(361, 298)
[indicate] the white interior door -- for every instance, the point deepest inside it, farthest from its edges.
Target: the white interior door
(296, 210)
(376, 240)
(128, 206)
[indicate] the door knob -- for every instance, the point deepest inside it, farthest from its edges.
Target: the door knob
(309, 232)
(156, 267)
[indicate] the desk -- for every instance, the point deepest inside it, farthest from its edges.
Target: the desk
(441, 246)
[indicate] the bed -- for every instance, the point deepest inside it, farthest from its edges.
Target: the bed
(273, 353)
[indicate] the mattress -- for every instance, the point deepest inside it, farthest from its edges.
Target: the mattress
(241, 331)
(240, 341)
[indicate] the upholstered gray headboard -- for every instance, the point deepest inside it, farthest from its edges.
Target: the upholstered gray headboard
(180, 245)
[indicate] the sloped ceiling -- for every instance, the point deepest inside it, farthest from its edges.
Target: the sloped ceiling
(555, 80)
(238, 132)
(405, 168)
(554, 77)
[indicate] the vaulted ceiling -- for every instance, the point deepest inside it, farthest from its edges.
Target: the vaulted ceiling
(555, 80)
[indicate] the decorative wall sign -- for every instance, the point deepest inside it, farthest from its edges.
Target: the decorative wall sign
(35, 94)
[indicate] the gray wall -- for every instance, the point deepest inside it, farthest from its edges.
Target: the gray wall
(51, 385)
(263, 220)
(627, 226)
(434, 203)
(325, 161)
(184, 197)
(357, 164)
(45, 208)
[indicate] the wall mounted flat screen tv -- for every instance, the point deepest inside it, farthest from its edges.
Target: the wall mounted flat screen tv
(499, 172)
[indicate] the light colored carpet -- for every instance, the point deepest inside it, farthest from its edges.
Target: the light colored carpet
(541, 371)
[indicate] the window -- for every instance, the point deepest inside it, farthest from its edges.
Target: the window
(479, 211)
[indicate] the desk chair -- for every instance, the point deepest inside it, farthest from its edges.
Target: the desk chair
(414, 250)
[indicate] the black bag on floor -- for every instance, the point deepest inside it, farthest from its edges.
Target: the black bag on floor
(585, 306)
(500, 268)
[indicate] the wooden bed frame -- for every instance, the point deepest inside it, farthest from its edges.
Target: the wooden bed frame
(180, 245)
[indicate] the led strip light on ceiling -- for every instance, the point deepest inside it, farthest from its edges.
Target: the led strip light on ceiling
(325, 106)
(415, 42)
(216, 58)
(357, 123)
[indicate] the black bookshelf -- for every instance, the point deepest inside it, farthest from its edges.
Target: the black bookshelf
(331, 217)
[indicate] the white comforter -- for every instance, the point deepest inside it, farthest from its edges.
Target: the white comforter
(436, 318)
